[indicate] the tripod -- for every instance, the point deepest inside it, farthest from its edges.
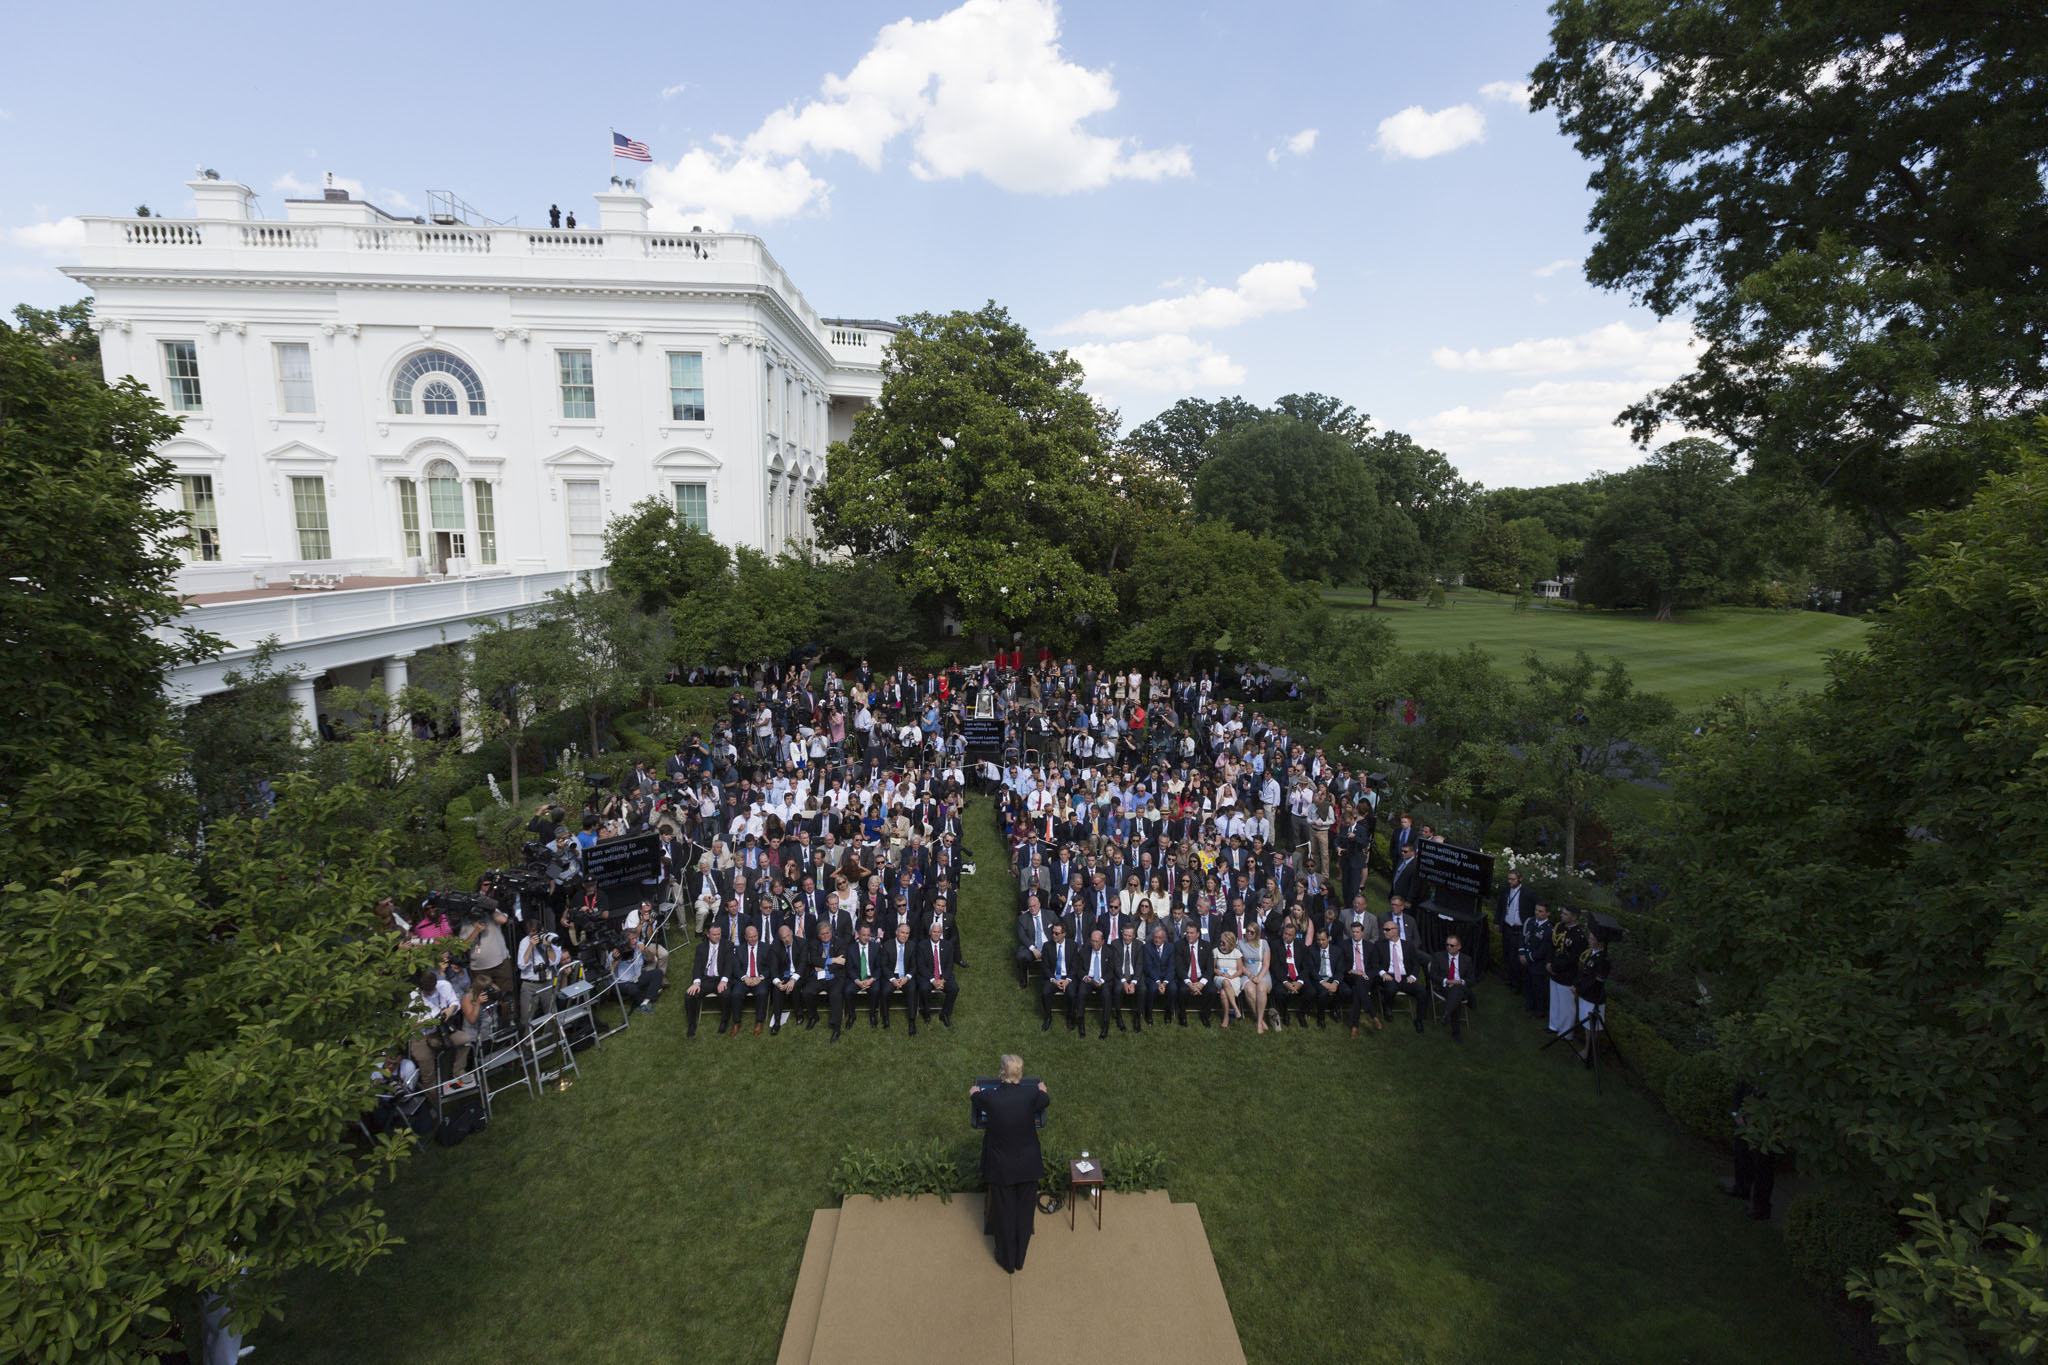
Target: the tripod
(1594, 1027)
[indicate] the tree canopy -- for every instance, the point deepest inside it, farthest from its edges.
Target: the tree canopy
(1671, 533)
(1299, 484)
(1847, 198)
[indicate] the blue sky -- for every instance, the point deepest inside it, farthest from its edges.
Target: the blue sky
(1135, 181)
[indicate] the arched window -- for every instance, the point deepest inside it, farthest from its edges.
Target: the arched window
(444, 496)
(430, 378)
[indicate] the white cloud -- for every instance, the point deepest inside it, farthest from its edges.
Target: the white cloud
(981, 90)
(1544, 272)
(1415, 133)
(669, 92)
(715, 188)
(1171, 363)
(1659, 353)
(1271, 287)
(292, 187)
(398, 201)
(1506, 92)
(58, 238)
(1299, 144)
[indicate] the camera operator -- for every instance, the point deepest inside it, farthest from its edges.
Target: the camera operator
(640, 971)
(439, 1014)
(540, 957)
(490, 961)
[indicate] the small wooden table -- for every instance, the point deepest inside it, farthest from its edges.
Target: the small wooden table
(1084, 1176)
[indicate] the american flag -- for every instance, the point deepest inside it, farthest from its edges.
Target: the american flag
(629, 149)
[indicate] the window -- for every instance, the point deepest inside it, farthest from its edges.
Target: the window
(294, 376)
(202, 517)
(437, 399)
(409, 517)
(309, 509)
(579, 386)
(437, 395)
(486, 522)
(444, 496)
(181, 368)
(685, 386)
(586, 522)
(693, 507)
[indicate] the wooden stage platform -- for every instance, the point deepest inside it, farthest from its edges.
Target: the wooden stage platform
(889, 1281)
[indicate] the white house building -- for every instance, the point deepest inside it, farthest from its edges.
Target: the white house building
(394, 427)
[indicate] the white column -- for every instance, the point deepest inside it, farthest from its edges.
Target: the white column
(303, 702)
(395, 675)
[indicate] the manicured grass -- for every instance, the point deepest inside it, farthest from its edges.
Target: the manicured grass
(1691, 659)
(1474, 1202)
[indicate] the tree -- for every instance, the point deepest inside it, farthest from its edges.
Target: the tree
(1535, 551)
(1859, 888)
(1177, 440)
(1493, 560)
(1671, 533)
(656, 558)
(611, 648)
(1575, 731)
(1566, 511)
(1422, 486)
(93, 623)
(762, 610)
(186, 1061)
(1302, 486)
(980, 479)
(867, 614)
(1397, 562)
(1846, 199)
(517, 672)
(1195, 592)
(1960, 1290)
(65, 333)
(241, 738)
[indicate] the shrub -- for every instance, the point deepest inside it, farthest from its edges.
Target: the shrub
(1133, 1166)
(1961, 1290)
(1648, 1054)
(1833, 1232)
(464, 859)
(904, 1172)
(1699, 1095)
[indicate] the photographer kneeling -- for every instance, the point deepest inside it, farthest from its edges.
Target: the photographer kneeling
(442, 1017)
(640, 971)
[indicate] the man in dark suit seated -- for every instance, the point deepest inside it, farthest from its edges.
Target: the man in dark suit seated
(1450, 976)
(1157, 981)
(899, 977)
(1094, 982)
(1127, 979)
(1034, 927)
(825, 977)
(1062, 978)
(709, 980)
(1288, 962)
(1360, 974)
(1397, 970)
(753, 964)
(1011, 1162)
(935, 980)
(1194, 975)
(1326, 972)
(864, 975)
(786, 962)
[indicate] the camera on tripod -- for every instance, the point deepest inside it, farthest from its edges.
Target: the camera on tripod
(466, 907)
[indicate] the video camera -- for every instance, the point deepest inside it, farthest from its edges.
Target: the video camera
(528, 883)
(464, 906)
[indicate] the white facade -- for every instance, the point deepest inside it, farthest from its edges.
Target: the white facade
(373, 396)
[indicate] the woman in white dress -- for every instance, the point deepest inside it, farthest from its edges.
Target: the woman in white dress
(1229, 976)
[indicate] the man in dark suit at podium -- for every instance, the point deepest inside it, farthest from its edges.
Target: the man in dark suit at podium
(1010, 1160)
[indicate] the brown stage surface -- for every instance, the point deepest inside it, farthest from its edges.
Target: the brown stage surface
(889, 1281)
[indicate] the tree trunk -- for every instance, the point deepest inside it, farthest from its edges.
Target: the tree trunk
(1375, 595)
(1663, 606)
(591, 716)
(1571, 837)
(512, 748)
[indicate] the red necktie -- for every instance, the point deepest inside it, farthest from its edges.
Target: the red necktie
(1290, 964)
(750, 961)
(1194, 963)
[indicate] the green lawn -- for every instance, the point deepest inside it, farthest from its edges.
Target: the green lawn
(1480, 1202)
(1691, 660)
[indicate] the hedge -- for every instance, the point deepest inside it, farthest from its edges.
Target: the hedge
(1697, 1089)
(1832, 1231)
(946, 1169)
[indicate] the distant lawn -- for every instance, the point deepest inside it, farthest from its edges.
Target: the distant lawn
(1390, 1199)
(1691, 660)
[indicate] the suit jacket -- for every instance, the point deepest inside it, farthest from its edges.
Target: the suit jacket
(1356, 956)
(1205, 960)
(875, 964)
(1537, 946)
(1158, 963)
(1414, 962)
(1338, 956)
(1029, 929)
(764, 960)
(1121, 970)
(929, 965)
(817, 953)
(1072, 961)
(1009, 1144)
(699, 971)
(1276, 962)
(1407, 880)
(885, 959)
(1440, 969)
(1526, 905)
